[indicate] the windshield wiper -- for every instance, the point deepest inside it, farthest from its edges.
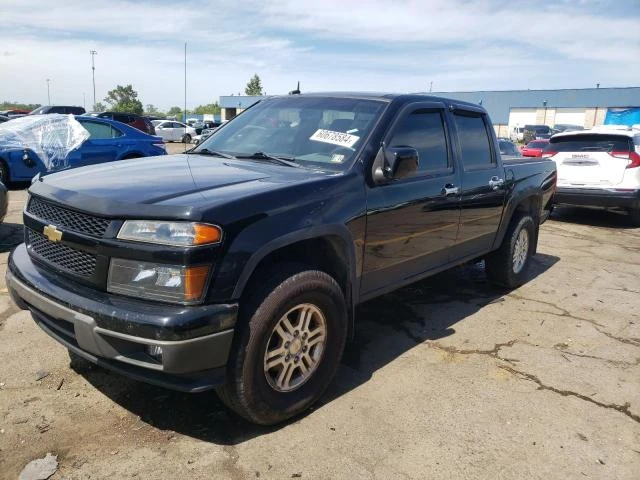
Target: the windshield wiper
(206, 151)
(288, 161)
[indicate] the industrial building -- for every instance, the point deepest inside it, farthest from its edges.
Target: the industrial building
(586, 107)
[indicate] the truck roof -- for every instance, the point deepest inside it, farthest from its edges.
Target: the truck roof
(388, 97)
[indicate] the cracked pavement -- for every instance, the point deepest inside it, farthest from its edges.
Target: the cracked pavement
(447, 378)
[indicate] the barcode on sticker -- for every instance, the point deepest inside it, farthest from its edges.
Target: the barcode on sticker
(335, 138)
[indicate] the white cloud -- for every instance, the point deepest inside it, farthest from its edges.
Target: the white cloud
(327, 45)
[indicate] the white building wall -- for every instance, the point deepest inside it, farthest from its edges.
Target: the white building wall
(519, 117)
(570, 116)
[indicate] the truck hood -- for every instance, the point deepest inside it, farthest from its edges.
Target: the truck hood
(172, 186)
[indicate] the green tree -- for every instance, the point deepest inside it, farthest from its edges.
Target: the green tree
(100, 107)
(254, 86)
(17, 105)
(124, 99)
(211, 108)
(150, 109)
(175, 112)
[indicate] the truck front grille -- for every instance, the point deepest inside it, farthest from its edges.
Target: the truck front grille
(61, 256)
(70, 219)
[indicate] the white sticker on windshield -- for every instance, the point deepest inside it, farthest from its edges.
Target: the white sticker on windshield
(335, 138)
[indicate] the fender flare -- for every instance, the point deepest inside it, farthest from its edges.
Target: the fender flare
(340, 231)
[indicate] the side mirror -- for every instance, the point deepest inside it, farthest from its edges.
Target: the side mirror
(400, 162)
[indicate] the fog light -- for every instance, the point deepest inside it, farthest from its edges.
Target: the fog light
(155, 351)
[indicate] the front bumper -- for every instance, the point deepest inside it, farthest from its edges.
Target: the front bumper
(114, 331)
(597, 197)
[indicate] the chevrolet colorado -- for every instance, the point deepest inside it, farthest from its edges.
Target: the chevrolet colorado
(237, 265)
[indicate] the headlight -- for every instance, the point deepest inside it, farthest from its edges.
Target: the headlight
(153, 281)
(170, 233)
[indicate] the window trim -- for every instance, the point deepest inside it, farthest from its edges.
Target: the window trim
(475, 113)
(407, 110)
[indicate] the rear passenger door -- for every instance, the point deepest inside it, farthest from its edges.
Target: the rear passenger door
(482, 182)
(102, 146)
(412, 222)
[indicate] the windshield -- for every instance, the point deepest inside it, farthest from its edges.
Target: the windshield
(537, 144)
(316, 132)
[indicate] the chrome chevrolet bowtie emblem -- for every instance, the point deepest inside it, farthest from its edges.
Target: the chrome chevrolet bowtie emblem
(52, 233)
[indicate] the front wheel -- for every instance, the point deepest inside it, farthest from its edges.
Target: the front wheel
(634, 215)
(289, 348)
(508, 266)
(186, 138)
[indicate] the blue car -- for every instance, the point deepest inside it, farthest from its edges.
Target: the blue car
(108, 141)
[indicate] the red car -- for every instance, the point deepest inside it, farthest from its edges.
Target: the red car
(136, 121)
(534, 148)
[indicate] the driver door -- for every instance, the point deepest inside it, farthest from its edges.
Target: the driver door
(412, 223)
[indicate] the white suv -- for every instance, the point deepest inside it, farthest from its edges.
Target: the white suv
(598, 167)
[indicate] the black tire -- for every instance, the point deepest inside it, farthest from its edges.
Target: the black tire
(4, 173)
(500, 265)
(186, 138)
(634, 216)
(247, 391)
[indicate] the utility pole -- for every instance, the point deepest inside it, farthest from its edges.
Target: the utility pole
(430, 86)
(48, 94)
(93, 73)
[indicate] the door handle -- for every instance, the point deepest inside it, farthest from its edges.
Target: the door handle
(495, 183)
(450, 189)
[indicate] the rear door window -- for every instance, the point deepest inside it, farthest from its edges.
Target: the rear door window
(100, 131)
(474, 143)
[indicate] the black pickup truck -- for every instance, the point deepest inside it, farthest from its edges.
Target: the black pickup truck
(237, 265)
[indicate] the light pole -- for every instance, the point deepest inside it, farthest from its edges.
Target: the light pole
(545, 112)
(93, 73)
(48, 94)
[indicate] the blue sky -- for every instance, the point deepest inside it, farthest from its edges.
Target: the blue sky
(367, 45)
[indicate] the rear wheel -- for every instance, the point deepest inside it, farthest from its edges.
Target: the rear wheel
(289, 348)
(634, 215)
(508, 266)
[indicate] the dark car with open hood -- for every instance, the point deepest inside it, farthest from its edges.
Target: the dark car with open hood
(238, 265)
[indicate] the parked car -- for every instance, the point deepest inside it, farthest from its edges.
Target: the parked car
(14, 113)
(64, 109)
(536, 132)
(3, 118)
(134, 120)
(598, 169)
(172, 131)
(516, 134)
(238, 265)
(107, 141)
(508, 148)
(563, 127)
(534, 148)
(206, 125)
(206, 133)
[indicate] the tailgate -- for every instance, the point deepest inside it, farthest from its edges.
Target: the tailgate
(590, 159)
